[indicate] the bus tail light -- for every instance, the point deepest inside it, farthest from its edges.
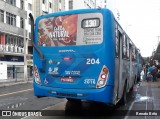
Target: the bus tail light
(102, 80)
(36, 76)
(103, 76)
(105, 70)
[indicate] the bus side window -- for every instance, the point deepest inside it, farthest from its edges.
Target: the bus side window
(131, 50)
(133, 53)
(127, 48)
(117, 42)
(135, 59)
(124, 55)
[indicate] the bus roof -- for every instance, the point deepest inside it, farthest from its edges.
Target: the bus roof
(78, 11)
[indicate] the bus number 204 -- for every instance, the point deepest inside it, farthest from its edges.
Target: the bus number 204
(93, 61)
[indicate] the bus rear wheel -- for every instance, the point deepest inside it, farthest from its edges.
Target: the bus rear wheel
(40, 96)
(73, 100)
(124, 96)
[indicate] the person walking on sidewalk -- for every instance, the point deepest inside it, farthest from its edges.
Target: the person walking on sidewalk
(142, 75)
(149, 74)
(154, 73)
(149, 77)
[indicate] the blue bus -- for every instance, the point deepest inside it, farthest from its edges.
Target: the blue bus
(83, 55)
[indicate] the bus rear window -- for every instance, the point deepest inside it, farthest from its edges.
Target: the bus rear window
(71, 30)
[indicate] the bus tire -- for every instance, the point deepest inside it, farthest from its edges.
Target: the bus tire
(131, 89)
(124, 96)
(40, 96)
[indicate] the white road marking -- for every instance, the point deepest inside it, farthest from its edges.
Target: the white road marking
(146, 101)
(130, 108)
(16, 92)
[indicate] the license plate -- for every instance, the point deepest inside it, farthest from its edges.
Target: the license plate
(66, 79)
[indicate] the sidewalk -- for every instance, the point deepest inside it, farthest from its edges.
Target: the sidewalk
(147, 99)
(150, 83)
(149, 92)
(10, 82)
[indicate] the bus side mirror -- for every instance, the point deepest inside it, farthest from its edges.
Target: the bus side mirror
(42, 65)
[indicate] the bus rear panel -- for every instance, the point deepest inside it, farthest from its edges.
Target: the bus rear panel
(78, 48)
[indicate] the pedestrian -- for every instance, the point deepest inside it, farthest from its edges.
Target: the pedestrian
(149, 77)
(150, 68)
(142, 75)
(154, 73)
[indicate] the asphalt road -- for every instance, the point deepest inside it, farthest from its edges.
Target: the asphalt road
(21, 98)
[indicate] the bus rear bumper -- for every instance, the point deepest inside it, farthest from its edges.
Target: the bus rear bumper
(100, 95)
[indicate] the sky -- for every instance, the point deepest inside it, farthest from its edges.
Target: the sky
(141, 20)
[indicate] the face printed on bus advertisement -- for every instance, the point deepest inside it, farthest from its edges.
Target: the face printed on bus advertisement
(71, 30)
(58, 31)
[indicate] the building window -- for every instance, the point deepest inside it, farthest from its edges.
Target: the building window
(21, 23)
(1, 15)
(22, 4)
(7, 41)
(10, 19)
(11, 40)
(7, 18)
(15, 40)
(70, 4)
(12, 2)
(43, 1)
(50, 5)
(30, 35)
(29, 6)
(29, 21)
(20, 42)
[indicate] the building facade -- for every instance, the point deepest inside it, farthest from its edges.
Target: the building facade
(102, 4)
(41, 7)
(80, 4)
(14, 37)
(15, 29)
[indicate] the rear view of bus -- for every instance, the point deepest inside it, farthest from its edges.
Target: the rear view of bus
(74, 55)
